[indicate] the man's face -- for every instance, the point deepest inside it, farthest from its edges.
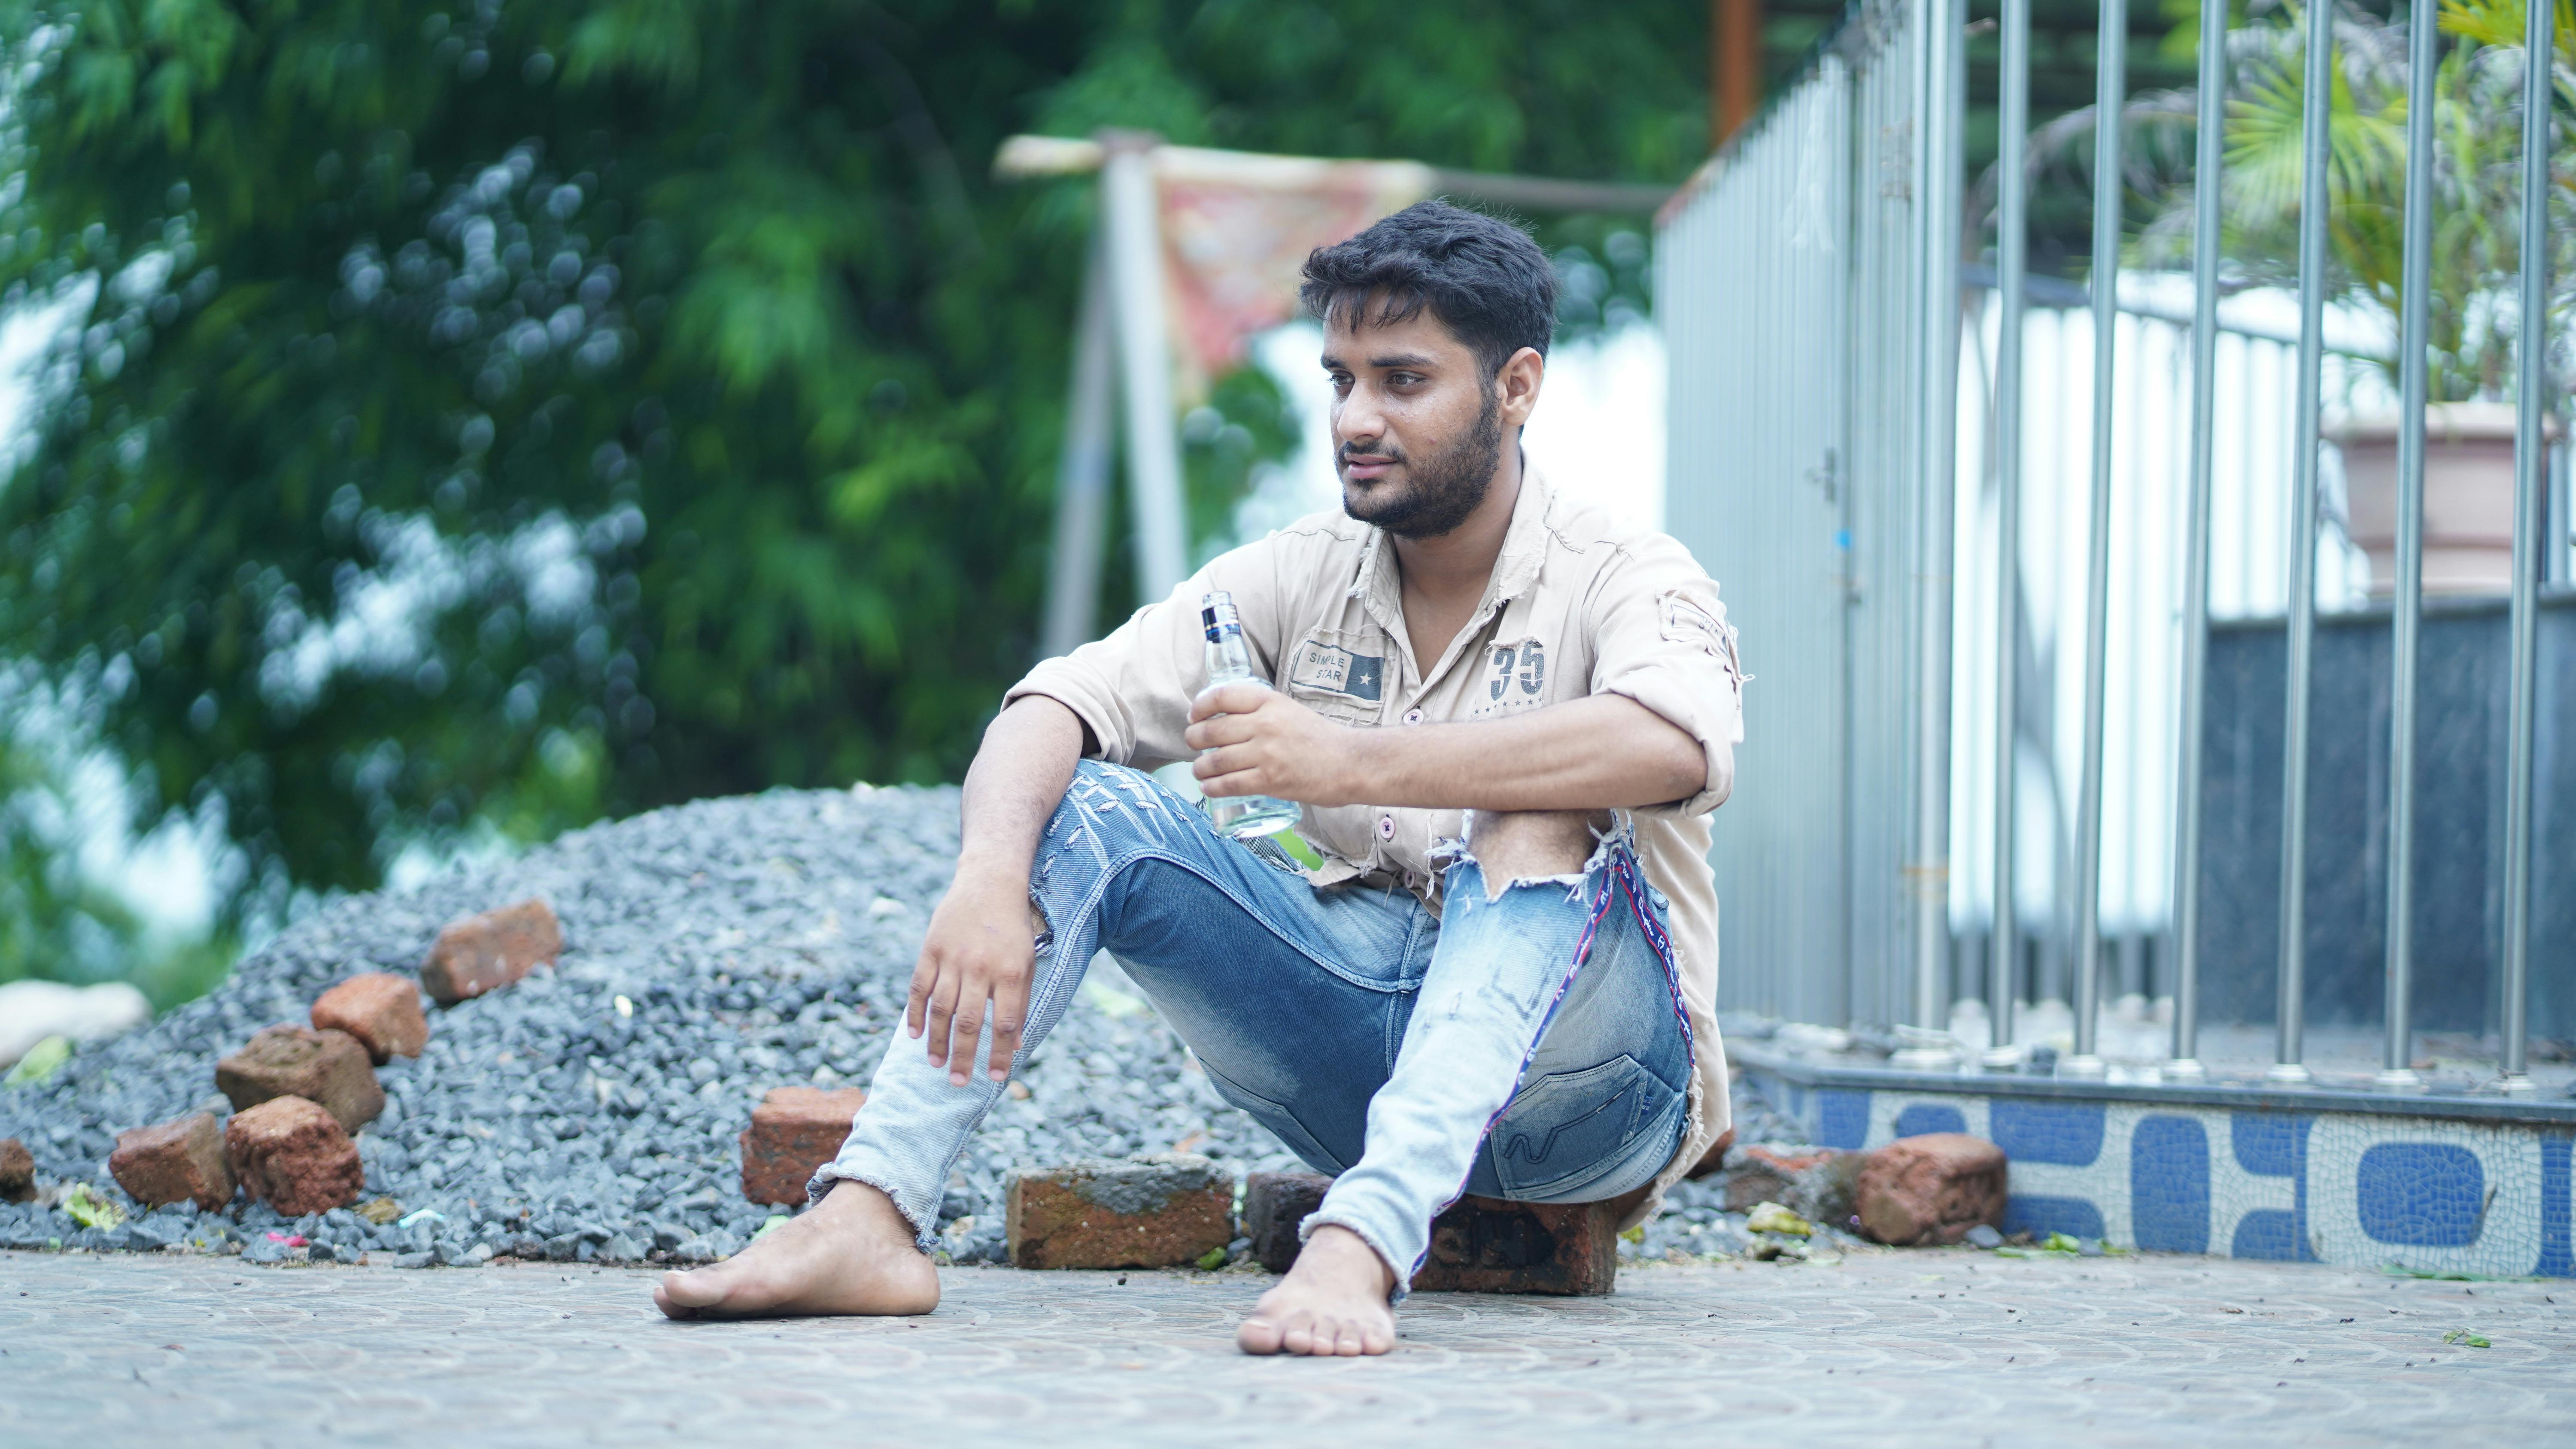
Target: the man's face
(1417, 421)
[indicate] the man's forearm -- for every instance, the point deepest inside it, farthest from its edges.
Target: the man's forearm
(1018, 778)
(1604, 752)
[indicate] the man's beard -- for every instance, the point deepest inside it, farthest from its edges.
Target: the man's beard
(1446, 487)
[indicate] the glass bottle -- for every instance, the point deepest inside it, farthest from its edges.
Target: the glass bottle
(1229, 661)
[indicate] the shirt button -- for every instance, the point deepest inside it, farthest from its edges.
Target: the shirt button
(1413, 716)
(1386, 827)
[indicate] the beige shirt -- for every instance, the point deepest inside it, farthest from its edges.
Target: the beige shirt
(1578, 605)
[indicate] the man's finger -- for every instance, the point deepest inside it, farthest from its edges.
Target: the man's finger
(943, 1002)
(1216, 730)
(968, 1030)
(1010, 1018)
(1237, 698)
(925, 975)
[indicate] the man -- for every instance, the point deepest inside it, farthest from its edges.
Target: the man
(1506, 717)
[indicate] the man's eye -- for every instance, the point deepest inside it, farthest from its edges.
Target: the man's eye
(1403, 379)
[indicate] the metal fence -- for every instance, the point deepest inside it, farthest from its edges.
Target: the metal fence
(1971, 780)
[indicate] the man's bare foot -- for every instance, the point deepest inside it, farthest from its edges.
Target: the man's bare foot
(850, 1253)
(1332, 1302)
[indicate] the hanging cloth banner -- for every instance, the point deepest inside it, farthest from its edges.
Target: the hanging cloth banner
(1236, 233)
(1236, 230)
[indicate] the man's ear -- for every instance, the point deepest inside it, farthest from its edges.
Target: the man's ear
(1517, 385)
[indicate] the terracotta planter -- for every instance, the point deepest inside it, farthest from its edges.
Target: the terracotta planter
(2468, 496)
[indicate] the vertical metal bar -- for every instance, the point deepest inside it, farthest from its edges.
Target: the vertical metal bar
(2211, 151)
(1082, 478)
(2110, 92)
(2530, 476)
(2302, 601)
(1940, 110)
(1135, 238)
(2012, 283)
(2406, 611)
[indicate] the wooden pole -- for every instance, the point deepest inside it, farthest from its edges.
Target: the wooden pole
(1734, 66)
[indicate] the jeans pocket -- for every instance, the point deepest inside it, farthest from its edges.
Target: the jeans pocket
(1568, 1128)
(1282, 1123)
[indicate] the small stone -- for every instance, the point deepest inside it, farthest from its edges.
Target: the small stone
(1919, 1191)
(380, 1210)
(329, 1067)
(793, 1133)
(1771, 1217)
(1275, 1205)
(1982, 1236)
(380, 1009)
(1485, 1245)
(293, 1155)
(176, 1161)
(487, 952)
(1161, 1211)
(421, 1259)
(17, 1171)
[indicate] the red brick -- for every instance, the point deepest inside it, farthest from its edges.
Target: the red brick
(380, 1009)
(292, 1154)
(487, 952)
(1816, 1181)
(1275, 1205)
(17, 1171)
(1918, 1191)
(176, 1161)
(1484, 1245)
(1141, 1212)
(329, 1067)
(793, 1131)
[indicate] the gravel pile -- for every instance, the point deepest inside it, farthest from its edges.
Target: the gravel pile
(762, 941)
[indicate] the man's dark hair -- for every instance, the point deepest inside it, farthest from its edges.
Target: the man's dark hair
(1481, 276)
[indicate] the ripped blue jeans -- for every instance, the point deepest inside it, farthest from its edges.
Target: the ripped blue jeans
(1529, 1047)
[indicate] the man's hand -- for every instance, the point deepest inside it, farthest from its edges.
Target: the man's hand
(1257, 741)
(981, 948)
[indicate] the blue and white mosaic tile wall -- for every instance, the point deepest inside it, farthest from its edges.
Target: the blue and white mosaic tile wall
(2337, 1187)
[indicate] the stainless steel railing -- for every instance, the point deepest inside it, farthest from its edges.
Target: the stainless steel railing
(1835, 857)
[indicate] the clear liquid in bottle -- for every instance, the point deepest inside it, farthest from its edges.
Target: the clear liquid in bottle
(1229, 661)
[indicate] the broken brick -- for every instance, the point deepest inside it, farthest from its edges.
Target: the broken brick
(380, 1009)
(329, 1067)
(1919, 1191)
(292, 1154)
(17, 1171)
(793, 1132)
(487, 952)
(1816, 1182)
(181, 1160)
(1139, 1212)
(1275, 1205)
(1485, 1245)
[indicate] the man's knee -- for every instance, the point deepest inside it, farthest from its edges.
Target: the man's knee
(1510, 845)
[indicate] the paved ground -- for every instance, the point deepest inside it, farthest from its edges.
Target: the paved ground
(1930, 1347)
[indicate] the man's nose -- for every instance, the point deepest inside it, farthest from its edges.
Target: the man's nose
(1357, 419)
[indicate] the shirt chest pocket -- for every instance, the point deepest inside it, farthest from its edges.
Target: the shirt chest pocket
(1339, 674)
(1513, 679)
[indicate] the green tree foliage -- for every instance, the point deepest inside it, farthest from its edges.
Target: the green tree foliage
(489, 417)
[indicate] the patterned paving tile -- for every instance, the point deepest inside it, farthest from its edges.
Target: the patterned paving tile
(1931, 1347)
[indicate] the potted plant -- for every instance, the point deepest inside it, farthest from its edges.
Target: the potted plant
(2477, 206)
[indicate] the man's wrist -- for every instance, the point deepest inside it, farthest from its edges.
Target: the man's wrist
(1367, 766)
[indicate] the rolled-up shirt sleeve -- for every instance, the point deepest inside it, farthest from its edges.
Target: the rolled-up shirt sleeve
(1660, 637)
(1133, 689)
